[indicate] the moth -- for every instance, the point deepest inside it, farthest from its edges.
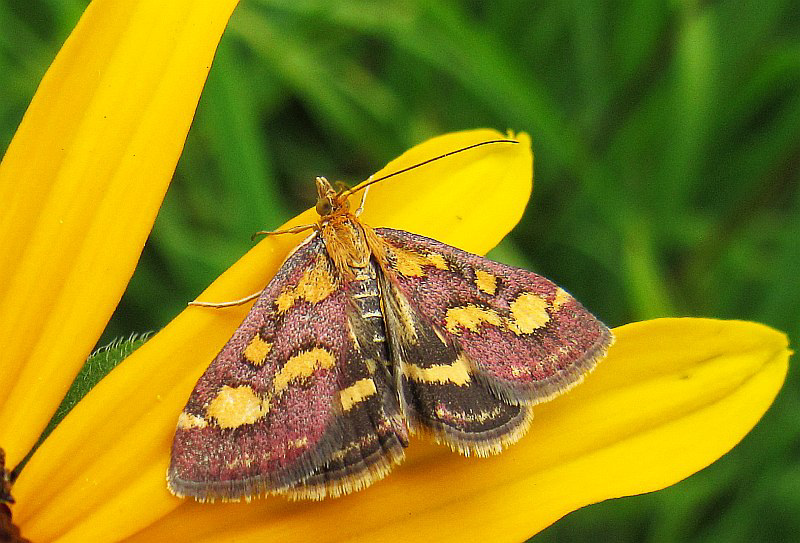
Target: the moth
(366, 337)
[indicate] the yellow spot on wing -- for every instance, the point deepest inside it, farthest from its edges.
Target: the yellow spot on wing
(486, 282)
(299, 443)
(302, 365)
(518, 371)
(245, 462)
(257, 350)
(437, 261)
(470, 317)
(410, 263)
(234, 406)
(285, 300)
(456, 373)
(528, 312)
(187, 420)
(562, 297)
(315, 285)
(357, 392)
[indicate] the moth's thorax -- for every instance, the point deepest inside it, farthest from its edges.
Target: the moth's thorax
(346, 240)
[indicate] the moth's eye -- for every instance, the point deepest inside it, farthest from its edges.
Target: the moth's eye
(324, 207)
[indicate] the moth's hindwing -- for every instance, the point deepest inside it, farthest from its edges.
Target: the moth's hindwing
(478, 343)
(292, 404)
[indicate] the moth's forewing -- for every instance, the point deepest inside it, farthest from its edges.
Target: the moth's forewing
(466, 325)
(275, 412)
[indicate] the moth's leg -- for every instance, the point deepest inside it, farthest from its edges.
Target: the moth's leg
(233, 303)
(363, 199)
(249, 297)
(292, 230)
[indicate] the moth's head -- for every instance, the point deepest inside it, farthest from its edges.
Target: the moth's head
(329, 200)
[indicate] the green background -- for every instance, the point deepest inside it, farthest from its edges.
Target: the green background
(667, 143)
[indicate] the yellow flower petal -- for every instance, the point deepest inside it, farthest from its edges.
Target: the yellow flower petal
(81, 184)
(469, 200)
(672, 396)
(111, 453)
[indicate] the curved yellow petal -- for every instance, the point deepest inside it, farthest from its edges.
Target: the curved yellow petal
(469, 200)
(672, 396)
(111, 452)
(81, 184)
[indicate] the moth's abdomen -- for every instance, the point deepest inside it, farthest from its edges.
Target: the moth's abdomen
(367, 296)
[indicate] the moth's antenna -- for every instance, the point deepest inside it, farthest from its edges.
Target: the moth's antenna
(423, 163)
